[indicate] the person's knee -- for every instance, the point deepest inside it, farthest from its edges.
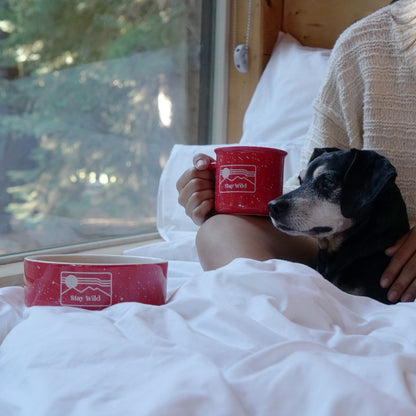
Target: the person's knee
(202, 235)
(223, 238)
(208, 239)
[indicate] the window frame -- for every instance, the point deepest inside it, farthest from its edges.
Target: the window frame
(215, 54)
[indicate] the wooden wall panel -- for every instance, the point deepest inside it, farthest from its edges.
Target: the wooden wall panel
(319, 22)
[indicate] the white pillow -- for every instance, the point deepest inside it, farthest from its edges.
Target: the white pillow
(279, 115)
(280, 111)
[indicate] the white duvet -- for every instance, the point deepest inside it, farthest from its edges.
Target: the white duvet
(252, 338)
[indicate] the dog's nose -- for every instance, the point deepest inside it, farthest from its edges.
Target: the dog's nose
(278, 207)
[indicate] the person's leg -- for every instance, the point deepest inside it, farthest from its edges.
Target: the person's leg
(223, 238)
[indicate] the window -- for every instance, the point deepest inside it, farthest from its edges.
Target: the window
(94, 94)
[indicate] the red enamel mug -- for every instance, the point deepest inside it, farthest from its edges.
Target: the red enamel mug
(247, 178)
(93, 281)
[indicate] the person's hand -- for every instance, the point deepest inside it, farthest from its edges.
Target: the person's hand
(400, 274)
(196, 189)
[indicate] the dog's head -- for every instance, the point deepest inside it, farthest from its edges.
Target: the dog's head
(336, 190)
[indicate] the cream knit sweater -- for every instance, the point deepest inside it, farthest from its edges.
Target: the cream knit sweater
(368, 100)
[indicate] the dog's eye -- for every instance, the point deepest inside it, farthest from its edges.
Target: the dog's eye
(325, 185)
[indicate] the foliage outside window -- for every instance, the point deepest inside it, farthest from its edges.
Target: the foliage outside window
(94, 94)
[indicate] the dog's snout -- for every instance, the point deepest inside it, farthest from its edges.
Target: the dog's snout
(278, 207)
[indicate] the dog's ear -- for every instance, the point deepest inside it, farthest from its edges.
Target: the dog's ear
(366, 176)
(318, 151)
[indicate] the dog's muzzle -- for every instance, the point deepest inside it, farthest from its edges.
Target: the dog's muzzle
(280, 210)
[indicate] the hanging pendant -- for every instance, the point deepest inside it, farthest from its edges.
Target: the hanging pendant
(241, 58)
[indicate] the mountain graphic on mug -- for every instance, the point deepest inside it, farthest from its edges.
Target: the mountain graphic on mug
(237, 178)
(86, 289)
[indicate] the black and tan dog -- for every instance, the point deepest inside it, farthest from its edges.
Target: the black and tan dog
(349, 202)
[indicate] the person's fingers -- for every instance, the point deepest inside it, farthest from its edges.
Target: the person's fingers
(196, 189)
(201, 164)
(400, 274)
(184, 179)
(394, 268)
(404, 286)
(202, 161)
(409, 294)
(192, 182)
(195, 199)
(196, 193)
(400, 254)
(200, 212)
(393, 249)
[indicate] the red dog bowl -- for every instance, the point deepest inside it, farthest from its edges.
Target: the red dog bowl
(93, 281)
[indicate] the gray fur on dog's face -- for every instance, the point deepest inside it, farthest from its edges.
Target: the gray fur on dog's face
(314, 208)
(336, 191)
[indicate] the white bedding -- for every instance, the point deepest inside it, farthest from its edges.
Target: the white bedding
(252, 338)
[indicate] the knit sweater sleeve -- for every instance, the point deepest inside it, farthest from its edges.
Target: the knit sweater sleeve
(337, 120)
